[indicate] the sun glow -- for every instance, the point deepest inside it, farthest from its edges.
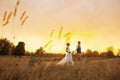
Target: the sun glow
(94, 23)
(56, 46)
(31, 44)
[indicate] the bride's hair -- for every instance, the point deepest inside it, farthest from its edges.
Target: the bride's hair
(68, 44)
(79, 42)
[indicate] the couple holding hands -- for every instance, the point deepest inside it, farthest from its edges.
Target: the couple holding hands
(68, 56)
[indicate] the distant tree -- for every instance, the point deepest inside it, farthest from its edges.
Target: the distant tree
(88, 53)
(40, 51)
(103, 54)
(19, 49)
(6, 47)
(109, 54)
(95, 53)
(109, 51)
(118, 53)
(110, 48)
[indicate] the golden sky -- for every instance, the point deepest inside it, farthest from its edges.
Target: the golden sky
(96, 23)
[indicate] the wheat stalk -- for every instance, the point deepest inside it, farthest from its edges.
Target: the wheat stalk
(9, 16)
(67, 39)
(5, 14)
(18, 2)
(52, 33)
(50, 47)
(47, 43)
(15, 11)
(67, 34)
(22, 15)
(60, 32)
(5, 23)
(16, 6)
(24, 20)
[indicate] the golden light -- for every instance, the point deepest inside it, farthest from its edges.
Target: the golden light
(95, 27)
(31, 43)
(57, 46)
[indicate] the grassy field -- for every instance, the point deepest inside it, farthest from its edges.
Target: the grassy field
(45, 68)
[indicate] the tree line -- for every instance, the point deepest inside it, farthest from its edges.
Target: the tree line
(8, 48)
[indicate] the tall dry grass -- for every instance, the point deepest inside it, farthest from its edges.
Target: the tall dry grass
(22, 23)
(67, 39)
(45, 68)
(5, 14)
(50, 47)
(60, 32)
(7, 17)
(15, 11)
(18, 2)
(4, 24)
(16, 7)
(23, 14)
(67, 34)
(52, 33)
(47, 44)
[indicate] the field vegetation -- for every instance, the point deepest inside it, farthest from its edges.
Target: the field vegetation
(45, 68)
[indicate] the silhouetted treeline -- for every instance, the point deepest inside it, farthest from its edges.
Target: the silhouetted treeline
(40, 51)
(89, 53)
(8, 48)
(19, 50)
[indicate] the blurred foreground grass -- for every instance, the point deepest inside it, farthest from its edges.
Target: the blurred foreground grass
(45, 68)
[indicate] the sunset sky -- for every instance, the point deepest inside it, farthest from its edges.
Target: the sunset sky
(96, 23)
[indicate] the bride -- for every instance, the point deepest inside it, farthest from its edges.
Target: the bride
(68, 57)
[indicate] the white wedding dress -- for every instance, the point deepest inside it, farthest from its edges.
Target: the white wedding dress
(67, 59)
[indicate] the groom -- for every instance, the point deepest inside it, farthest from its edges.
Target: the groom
(78, 50)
